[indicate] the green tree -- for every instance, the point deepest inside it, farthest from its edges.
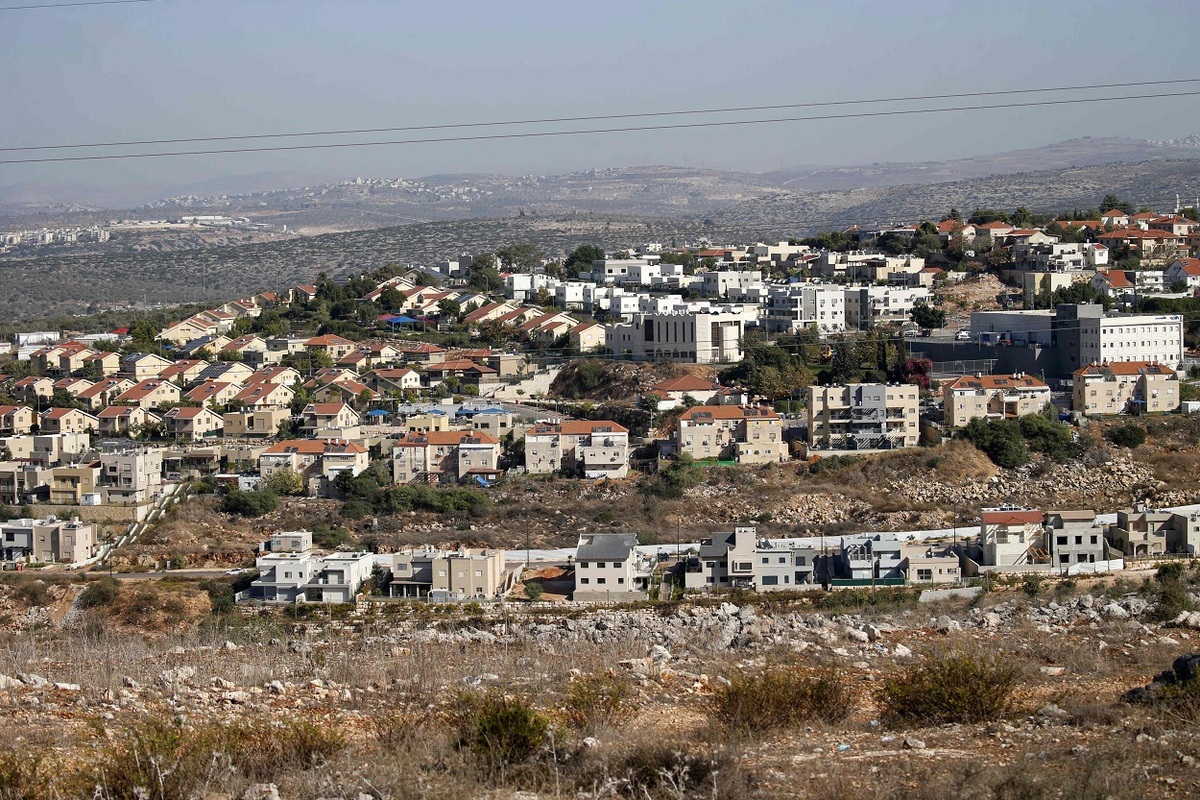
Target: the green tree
(581, 258)
(521, 257)
(391, 299)
(285, 481)
(927, 316)
(483, 275)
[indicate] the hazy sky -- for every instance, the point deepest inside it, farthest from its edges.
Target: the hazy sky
(174, 68)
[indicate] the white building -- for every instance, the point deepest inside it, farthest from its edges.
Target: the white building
(608, 566)
(869, 306)
(698, 338)
(797, 307)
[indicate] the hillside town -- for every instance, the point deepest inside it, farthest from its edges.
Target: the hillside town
(476, 371)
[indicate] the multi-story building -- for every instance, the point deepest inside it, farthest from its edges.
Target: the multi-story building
(445, 457)
(329, 421)
(49, 540)
(1074, 537)
(16, 420)
(863, 416)
(608, 566)
(591, 448)
(318, 462)
(745, 434)
(1125, 387)
(712, 337)
(253, 424)
(791, 309)
(131, 476)
(442, 575)
(992, 397)
(1141, 532)
(739, 559)
(1012, 537)
(871, 306)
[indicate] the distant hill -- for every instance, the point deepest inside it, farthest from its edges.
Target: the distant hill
(1085, 152)
(1150, 183)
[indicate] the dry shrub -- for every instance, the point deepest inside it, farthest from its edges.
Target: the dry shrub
(159, 760)
(597, 701)
(499, 730)
(24, 777)
(782, 698)
(953, 686)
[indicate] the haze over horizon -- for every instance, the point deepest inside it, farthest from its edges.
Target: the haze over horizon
(168, 69)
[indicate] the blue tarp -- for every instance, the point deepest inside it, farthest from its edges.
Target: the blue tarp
(482, 481)
(401, 319)
(379, 412)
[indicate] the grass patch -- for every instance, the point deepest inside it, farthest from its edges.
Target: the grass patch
(782, 698)
(954, 686)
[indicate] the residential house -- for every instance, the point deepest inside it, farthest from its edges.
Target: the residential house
(929, 562)
(1141, 533)
(33, 388)
(344, 391)
(587, 337)
(193, 423)
(1011, 537)
(149, 394)
(47, 541)
(104, 392)
(745, 434)
(739, 559)
(590, 448)
(1125, 387)
(672, 392)
(284, 376)
(608, 567)
(102, 363)
(329, 421)
(131, 476)
(265, 396)
(226, 372)
(242, 347)
(385, 381)
(1074, 537)
(336, 347)
(868, 557)
(142, 366)
(863, 416)
(120, 421)
(212, 394)
(261, 424)
(70, 482)
(1184, 271)
(282, 577)
(318, 461)
(338, 577)
(209, 345)
(67, 420)
(992, 397)
(288, 542)
(445, 457)
(16, 420)
(441, 575)
(184, 372)
(464, 369)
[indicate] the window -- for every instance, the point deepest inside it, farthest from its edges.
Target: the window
(583, 564)
(766, 560)
(599, 565)
(801, 561)
(1061, 540)
(617, 564)
(770, 580)
(478, 573)
(601, 580)
(783, 559)
(925, 574)
(1094, 540)
(621, 580)
(441, 573)
(583, 580)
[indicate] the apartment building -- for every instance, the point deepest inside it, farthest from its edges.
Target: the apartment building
(712, 337)
(744, 434)
(992, 397)
(1125, 387)
(798, 307)
(1141, 532)
(445, 457)
(329, 421)
(870, 306)
(863, 416)
(590, 448)
(131, 476)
